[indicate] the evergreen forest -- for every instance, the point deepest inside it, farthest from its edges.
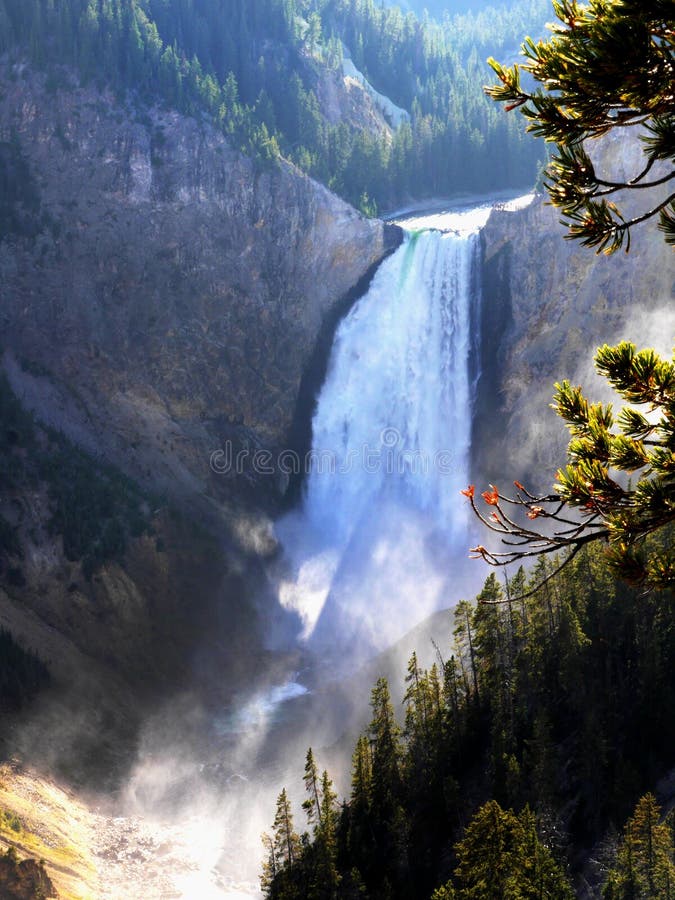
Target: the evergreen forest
(522, 763)
(261, 71)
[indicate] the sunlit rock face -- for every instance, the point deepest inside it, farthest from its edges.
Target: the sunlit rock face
(170, 290)
(548, 304)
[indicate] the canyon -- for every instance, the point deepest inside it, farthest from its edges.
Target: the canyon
(164, 296)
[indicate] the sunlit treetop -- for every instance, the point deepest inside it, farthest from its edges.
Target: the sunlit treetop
(608, 64)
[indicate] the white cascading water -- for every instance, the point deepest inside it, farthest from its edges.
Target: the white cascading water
(380, 539)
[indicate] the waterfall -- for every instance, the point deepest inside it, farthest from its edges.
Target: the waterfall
(381, 536)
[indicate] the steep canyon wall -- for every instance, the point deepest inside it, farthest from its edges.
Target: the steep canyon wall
(169, 289)
(160, 295)
(548, 303)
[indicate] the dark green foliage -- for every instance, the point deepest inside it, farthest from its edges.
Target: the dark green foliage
(305, 868)
(502, 858)
(639, 446)
(257, 67)
(281, 870)
(94, 507)
(645, 863)
(19, 196)
(22, 673)
(592, 502)
(312, 805)
(10, 820)
(556, 705)
(434, 71)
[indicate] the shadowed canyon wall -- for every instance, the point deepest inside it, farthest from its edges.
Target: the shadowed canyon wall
(170, 291)
(160, 295)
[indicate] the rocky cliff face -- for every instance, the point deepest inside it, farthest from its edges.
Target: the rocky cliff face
(161, 297)
(161, 294)
(548, 304)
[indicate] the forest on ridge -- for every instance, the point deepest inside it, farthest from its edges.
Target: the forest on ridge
(260, 70)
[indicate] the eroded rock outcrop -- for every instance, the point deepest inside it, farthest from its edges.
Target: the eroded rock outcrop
(162, 294)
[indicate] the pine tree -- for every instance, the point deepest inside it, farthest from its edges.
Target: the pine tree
(360, 833)
(271, 867)
(325, 881)
(386, 751)
(646, 859)
(464, 643)
(418, 704)
(312, 805)
(286, 841)
(313, 36)
(446, 892)
(361, 775)
(593, 685)
(635, 519)
(386, 789)
(608, 64)
(502, 858)
(283, 863)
